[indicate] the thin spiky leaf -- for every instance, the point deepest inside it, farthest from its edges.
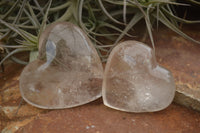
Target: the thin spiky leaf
(22, 33)
(39, 7)
(33, 14)
(166, 22)
(107, 14)
(30, 18)
(17, 60)
(169, 14)
(104, 24)
(124, 11)
(136, 18)
(14, 52)
(60, 7)
(67, 15)
(43, 25)
(165, 3)
(10, 10)
(194, 2)
(33, 55)
(12, 46)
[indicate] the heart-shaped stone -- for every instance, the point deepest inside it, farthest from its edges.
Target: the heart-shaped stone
(134, 82)
(67, 73)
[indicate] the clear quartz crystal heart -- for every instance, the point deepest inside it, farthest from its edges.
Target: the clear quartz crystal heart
(134, 82)
(67, 73)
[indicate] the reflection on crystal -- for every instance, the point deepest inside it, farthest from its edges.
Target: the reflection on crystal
(67, 73)
(134, 82)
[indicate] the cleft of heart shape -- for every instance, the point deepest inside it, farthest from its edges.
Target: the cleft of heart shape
(67, 73)
(134, 82)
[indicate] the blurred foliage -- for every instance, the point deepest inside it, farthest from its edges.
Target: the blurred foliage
(22, 21)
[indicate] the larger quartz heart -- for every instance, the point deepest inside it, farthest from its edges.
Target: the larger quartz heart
(67, 73)
(134, 82)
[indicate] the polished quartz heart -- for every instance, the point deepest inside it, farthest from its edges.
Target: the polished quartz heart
(67, 73)
(134, 82)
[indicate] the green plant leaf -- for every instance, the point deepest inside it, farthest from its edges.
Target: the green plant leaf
(173, 21)
(136, 18)
(33, 14)
(13, 46)
(43, 25)
(107, 14)
(166, 22)
(33, 56)
(67, 15)
(164, 2)
(14, 52)
(10, 10)
(60, 7)
(169, 14)
(22, 33)
(104, 24)
(194, 1)
(30, 18)
(15, 59)
(39, 7)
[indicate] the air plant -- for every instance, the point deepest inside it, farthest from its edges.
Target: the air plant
(22, 21)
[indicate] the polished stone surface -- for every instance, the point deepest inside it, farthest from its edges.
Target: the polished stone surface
(134, 82)
(67, 73)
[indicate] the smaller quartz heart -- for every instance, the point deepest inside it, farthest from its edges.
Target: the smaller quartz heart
(134, 82)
